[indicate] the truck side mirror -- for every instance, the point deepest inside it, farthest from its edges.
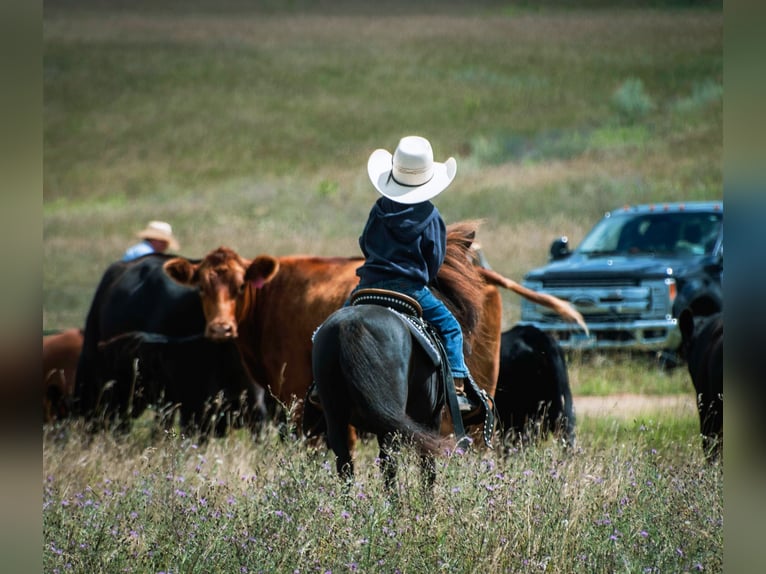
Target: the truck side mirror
(560, 248)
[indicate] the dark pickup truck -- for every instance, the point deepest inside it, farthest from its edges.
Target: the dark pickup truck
(632, 275)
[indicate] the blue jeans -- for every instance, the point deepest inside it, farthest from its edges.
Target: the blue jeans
(436, 313)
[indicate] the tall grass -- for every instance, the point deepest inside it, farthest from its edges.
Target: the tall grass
(640, 499)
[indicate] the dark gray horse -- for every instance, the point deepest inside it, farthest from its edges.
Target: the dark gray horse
(372, 374)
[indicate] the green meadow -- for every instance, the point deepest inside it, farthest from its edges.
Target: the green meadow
(249, 124)
(251, 127)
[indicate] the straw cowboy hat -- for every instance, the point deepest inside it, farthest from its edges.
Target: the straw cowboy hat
(410, 175)
(159, 230)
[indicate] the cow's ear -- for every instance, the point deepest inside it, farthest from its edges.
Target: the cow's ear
(686, 324)
(262, 270)
(181, 270)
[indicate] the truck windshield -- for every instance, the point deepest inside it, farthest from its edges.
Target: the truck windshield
(679, 233)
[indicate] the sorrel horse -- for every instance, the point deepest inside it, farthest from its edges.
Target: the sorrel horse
(372, 374)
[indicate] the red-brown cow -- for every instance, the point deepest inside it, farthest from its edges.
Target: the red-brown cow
(61, 352)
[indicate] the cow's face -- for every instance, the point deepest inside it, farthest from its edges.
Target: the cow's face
(226, 284)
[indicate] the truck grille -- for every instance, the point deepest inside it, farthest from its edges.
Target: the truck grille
(606, 302)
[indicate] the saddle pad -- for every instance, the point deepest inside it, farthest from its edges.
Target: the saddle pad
(418, 328)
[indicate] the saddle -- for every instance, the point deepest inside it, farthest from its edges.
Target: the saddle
(409, 310)
(411, 314)
(392, 299)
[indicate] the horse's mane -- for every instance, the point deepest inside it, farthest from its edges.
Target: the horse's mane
(459, 283)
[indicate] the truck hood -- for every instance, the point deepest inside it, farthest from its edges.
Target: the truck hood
(583, 267)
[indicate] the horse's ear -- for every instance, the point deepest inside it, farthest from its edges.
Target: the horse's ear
(181, 271)
(262, 270)
(465, 240)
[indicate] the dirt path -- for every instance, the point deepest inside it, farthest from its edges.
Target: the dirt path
(629, 405)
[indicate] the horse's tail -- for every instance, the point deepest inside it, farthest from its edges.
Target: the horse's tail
(361, 357)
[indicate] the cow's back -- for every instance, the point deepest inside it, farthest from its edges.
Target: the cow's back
(141, 297)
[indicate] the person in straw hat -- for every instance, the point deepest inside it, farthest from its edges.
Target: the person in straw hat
(157, 237)
(405, 239)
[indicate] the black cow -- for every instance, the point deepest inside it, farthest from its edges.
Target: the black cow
(533, 397)
(139, 297)
(131, 296)
(702, 347)
(205, 382)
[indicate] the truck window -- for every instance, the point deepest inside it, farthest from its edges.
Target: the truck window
(681, 233)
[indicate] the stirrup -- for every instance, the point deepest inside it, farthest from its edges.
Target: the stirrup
(465, 405)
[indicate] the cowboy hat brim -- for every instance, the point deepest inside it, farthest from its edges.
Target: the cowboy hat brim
(379, 169)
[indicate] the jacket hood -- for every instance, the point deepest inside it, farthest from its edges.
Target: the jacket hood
(405, 222)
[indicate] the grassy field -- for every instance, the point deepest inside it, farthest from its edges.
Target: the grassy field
(249, 124)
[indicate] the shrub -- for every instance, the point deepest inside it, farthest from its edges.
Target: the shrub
(631, 101)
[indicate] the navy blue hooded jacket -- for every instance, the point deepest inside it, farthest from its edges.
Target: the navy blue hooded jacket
(402, 242)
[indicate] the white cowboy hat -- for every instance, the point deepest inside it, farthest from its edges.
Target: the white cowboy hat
(410, 175)
(159, 230)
